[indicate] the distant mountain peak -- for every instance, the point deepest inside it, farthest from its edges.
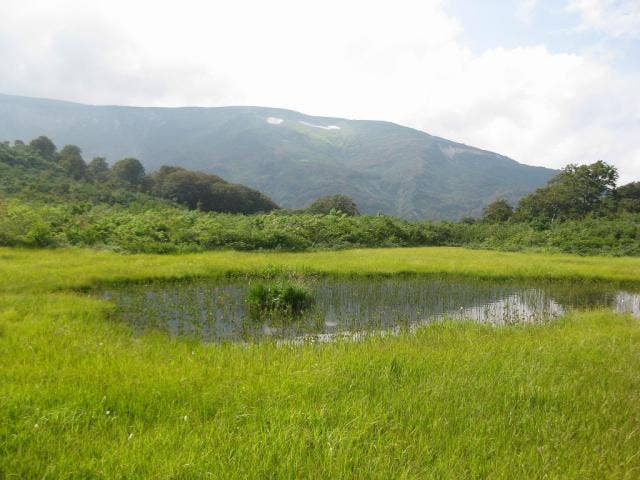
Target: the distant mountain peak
(292, 157)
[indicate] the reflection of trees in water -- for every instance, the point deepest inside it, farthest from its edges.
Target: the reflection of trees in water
(581, 295)
(594, 295)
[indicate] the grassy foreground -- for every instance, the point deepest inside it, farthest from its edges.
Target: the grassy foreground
(80, 397)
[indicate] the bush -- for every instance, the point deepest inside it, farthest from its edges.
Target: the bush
(161, 228)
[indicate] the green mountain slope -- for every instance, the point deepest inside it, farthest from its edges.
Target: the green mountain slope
(292, 157)
(26, 175)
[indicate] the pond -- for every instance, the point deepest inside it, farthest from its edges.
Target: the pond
(218, 311)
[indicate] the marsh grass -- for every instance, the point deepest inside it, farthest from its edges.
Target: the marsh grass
(280, 297)
(81, 397)
(63, 269)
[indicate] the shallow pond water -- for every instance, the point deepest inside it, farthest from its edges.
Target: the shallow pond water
(217, 311)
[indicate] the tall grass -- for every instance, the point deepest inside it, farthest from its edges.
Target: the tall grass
(81, 397)
(280, 296)
(24, 270)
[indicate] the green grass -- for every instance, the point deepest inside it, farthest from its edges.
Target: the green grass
(81, 397)
(46, 270)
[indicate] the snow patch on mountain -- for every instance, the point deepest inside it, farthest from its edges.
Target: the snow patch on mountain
(327, 127)
(274, 120)
(451, 151)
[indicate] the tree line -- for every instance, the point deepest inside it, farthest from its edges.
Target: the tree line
(195, 190)
(121, 207)
(192, 189)
(575, 193)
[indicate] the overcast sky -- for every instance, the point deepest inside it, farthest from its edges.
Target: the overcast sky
(547, 82)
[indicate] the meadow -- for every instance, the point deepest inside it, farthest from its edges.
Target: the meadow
(81, 396)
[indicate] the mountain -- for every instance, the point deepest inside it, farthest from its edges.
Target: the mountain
(292, 157)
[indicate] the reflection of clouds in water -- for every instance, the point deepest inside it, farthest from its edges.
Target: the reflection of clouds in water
(355, 308)
(626, 302)
(528, 306)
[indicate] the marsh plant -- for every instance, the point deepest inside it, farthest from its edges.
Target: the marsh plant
(281, 298)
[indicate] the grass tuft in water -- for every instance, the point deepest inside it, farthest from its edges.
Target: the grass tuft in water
(281, 297)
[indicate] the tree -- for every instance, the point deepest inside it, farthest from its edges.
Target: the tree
(44, 146)
(341, 203)
(183, 186)
(206, 192)
(497, 211)
(576, 191)
(628, 197)
(70, 159)
(128, 171)
(234, 198)
(98, 169)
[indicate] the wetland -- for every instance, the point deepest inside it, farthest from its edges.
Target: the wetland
(219, 310)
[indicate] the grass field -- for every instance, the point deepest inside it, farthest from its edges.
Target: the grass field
(81, 397)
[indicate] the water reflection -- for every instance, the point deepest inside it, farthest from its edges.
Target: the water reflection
(217, 311)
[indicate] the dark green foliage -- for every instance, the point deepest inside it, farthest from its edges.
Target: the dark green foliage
(44, 146)
(339, 203)
(182, 186)
(234, 198)
(572, 194)
(45, 206)
(25, 174)
(208, 193)
(70, 159)
(98, 169)
(129, 171)
(497, 211)
(628, 197)
(281, 297)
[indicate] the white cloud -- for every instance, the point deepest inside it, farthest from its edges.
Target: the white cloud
(543, 108)
(617, 18)
(526, 9)
(400, 61)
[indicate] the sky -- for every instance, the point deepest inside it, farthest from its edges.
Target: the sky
(546, 82)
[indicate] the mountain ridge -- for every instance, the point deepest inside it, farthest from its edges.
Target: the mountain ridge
(292, 157)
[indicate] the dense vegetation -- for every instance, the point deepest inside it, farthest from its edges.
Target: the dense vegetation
(174, 210)
(340, 203)
(170, 229)
(81, 397)
(39, 172)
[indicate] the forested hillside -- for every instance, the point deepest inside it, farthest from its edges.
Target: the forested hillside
(291, 157)
(39, 172)
(52, 198)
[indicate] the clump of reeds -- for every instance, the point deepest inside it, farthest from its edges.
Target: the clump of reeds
(280, 297)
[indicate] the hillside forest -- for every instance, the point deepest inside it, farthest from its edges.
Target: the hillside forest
(52, 197)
